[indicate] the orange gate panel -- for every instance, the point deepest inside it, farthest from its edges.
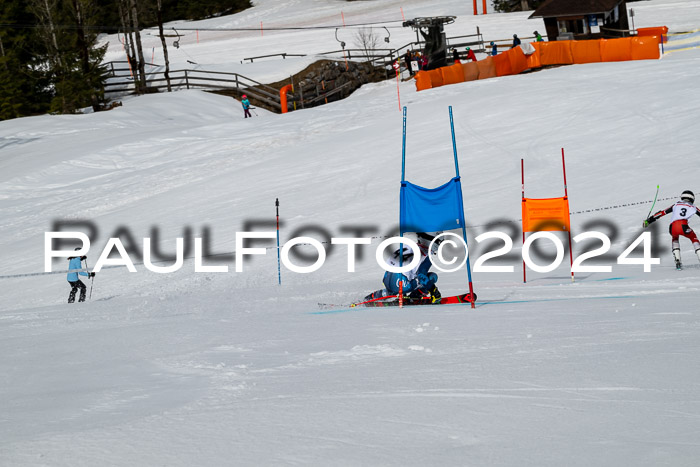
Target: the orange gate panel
(547, 214)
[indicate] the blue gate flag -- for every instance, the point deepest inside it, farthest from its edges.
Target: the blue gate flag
(431, 209)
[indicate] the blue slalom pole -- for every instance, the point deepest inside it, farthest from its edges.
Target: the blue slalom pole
(464, 227)
(403, 178)
(403, 148)
(279, 270)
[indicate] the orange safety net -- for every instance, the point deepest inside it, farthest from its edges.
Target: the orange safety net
(659, 31)
(518, 60)
(470, 71)
(546, 214)
(616, 50)
(501, 63)
(422, 80)
(487, 69)
(533, 60)
(555, 53)
(586, 51)
(452, 74)
(436, 77)
(645, 48)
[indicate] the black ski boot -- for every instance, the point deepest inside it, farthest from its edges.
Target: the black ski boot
(435, 294)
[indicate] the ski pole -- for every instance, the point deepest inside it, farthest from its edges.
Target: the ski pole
(92, 279)
(653, 204)
(279, 272)
(256, 114)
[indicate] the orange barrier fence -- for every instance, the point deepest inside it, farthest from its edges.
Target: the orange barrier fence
(422, 81)
(487, 69)
(660, 32)
(452, 74)
(586, 52)
(644, 46)
(556, 53)
(470, 71)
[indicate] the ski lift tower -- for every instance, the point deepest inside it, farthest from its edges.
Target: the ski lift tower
(433, 32)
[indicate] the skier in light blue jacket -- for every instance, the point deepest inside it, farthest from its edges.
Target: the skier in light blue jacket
(76, 263)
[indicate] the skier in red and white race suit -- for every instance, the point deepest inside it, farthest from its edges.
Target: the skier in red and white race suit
(682, 211)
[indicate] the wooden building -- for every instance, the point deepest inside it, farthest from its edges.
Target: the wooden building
(583, 19)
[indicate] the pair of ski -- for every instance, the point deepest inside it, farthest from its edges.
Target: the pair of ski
(393, 300)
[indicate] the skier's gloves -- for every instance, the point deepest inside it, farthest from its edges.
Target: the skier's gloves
(648, 221)
(83, 258)
(92, 274)
(422, 279)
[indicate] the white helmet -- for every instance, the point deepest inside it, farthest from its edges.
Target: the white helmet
(688, 196)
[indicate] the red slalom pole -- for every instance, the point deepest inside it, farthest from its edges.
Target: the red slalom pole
(566, 194)
(475, 10)
(483, 3)
(398, 93)
(522, 174)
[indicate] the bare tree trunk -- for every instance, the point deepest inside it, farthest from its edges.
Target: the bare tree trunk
(139, 48)
(126, 26)
(84, 50)
(44, 12)
(2, 54)
(162, 40)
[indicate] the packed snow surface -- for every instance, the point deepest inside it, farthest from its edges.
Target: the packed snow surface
(233, 369)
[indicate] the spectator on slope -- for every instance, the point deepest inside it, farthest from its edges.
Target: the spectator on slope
(494, 48)
(409, 58)
(455, 55)
(417, 282)
(424, 61)
(538, 37)
(516, 41)
(76, 262)
(682, 211)
(246, 107)
(417, 59)
(470, 54)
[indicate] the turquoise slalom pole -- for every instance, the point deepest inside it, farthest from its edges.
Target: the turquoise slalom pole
(279, 270)
(403, 178)
(461, 206)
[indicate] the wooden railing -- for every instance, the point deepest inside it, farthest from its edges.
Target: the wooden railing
(122, 83)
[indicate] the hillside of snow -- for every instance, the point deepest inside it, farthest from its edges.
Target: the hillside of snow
(233, 369)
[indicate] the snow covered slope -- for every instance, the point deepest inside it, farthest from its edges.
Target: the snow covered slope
(232, 369)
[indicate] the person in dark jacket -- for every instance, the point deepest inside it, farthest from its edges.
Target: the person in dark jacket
(455, 55)
(516, 41)
(494, 48)
(409, 58)
(246, 107)
(76, 263)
